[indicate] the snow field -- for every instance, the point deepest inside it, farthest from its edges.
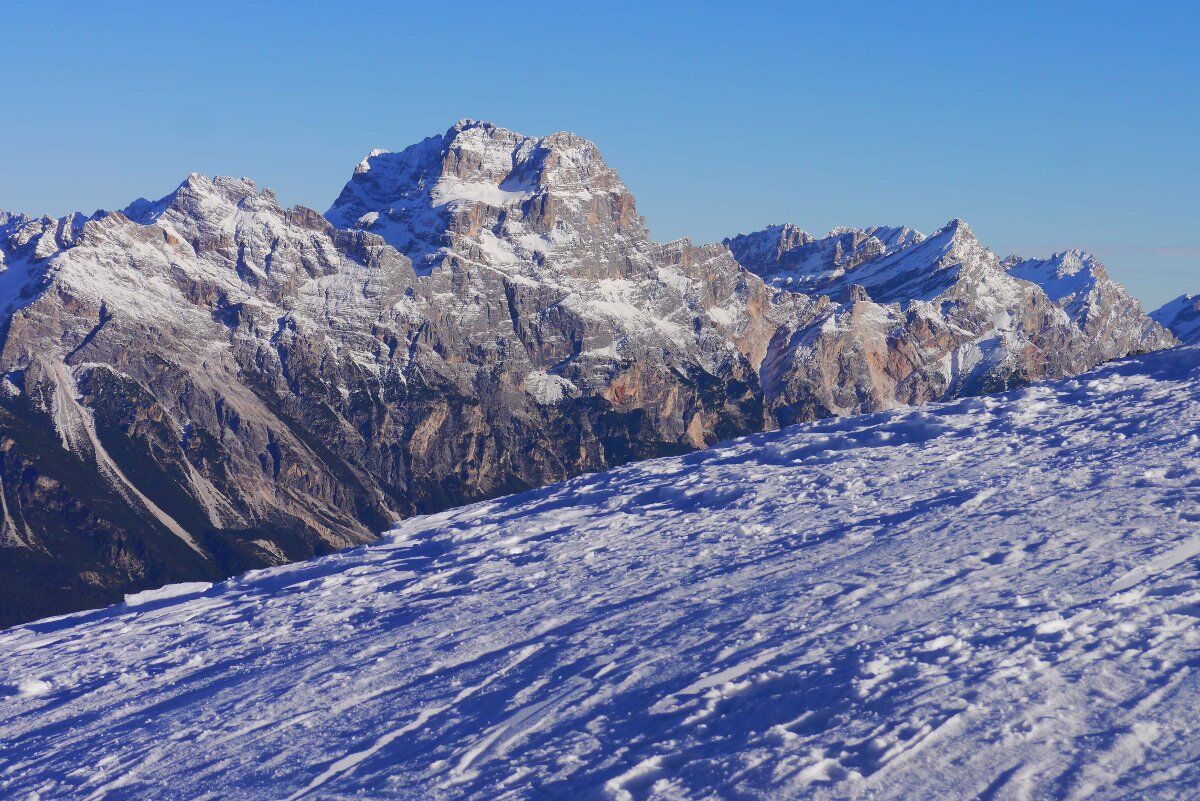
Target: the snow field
(996, 597)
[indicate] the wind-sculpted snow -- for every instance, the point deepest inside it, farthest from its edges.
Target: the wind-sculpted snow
(992, 598)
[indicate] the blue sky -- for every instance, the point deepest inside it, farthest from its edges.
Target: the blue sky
(1044, 125)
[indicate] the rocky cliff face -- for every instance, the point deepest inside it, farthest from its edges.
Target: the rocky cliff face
(913, 319)
(789, 258)
(209, 382)
(171, 389)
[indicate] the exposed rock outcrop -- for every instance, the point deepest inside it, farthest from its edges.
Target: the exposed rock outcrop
(915, 319)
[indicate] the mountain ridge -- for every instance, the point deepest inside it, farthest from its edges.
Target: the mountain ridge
(1181, 316)
(233, 384)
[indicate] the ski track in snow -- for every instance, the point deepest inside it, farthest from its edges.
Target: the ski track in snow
(996, 598)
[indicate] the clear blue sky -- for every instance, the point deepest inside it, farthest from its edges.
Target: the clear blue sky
(1044, 125)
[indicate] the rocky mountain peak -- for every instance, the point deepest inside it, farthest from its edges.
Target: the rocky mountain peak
(768, 246)
(891, 237)
(201, 197)
(1182, 317)
(1076, 282)
(9, 219)
(957, 227)
(223, 383)
(26, 243)
(483, 155)
(789, 258)
(441, 197)
(953, 237)
(912, 267)
(1063, 274)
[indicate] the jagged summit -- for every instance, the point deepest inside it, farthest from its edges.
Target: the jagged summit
(919, 269)
(772, 247)
(892, 263)
(893, 236)
(1182, 317)
(790, 258)
(899, 265)
(1078, 283)
(1064, 275)
(428, 199)
(202, 196)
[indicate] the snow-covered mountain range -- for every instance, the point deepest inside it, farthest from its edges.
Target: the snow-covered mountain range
(995, 597)
(208, 383)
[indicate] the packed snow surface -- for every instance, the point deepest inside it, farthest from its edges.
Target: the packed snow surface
(993, 598)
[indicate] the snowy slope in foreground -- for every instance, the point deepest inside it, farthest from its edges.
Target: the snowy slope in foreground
(997, 597)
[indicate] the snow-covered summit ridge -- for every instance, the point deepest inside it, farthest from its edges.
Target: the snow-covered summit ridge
(1182, 317)
(892, 265)
(26, 245)
(200, 195)
(898, 265)
(1065, 276)
(991, 597)
(902, 264)
(421, 199)
(789, 258)
(918, 268)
